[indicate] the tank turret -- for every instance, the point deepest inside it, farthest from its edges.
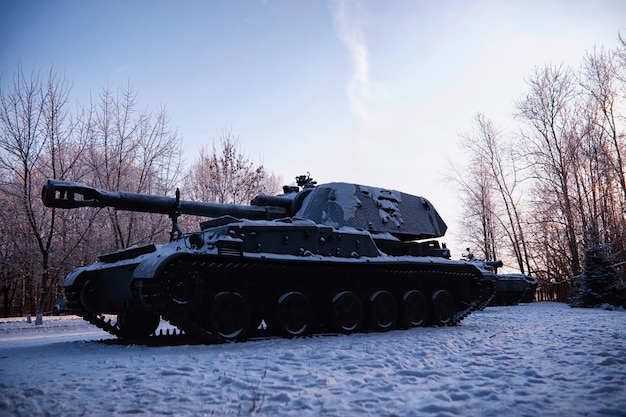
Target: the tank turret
(334, 257)
(375, 210)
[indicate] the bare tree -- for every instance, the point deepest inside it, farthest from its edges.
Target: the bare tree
(480, 217)
(10, 263)
(228, 176)
(603, 78)
(572, 179)
(34, 131)
(112, 146)
(136, 151)
(551, 145)
(497, 183)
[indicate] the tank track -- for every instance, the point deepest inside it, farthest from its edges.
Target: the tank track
(157, 338)
(487, 293)
(111, 326)
(205, 276)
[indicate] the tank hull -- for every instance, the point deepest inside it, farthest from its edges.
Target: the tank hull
(236, 280)
(512, 289)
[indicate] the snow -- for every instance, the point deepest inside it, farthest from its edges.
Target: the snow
(533, 359)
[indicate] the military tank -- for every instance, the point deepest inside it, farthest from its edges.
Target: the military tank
(510, 289)
(332, 258)
(526, 285)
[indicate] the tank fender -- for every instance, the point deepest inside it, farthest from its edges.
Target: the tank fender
(152, 266)
(71, 278)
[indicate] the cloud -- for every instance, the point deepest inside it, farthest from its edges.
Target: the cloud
(348, 22)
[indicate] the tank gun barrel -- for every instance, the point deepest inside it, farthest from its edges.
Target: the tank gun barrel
(69, 195)
(494, 264)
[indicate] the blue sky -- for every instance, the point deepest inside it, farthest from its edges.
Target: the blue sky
(373, 92)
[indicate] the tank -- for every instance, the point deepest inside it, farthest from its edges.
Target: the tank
(331, 258)
(510, 289)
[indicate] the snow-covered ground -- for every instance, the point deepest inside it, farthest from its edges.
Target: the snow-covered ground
(539, 359)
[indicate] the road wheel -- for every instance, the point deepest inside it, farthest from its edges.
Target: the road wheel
(347, 312)
(295, 314)
(229, 316)
(383, 310)
(414, 308)
(443, 308)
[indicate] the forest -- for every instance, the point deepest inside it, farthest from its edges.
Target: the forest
(543, 198)
(547, 196)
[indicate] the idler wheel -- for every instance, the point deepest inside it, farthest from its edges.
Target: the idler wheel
(414, 308)
(137, 324)
(229, 316)
(90, 297)
(295, 314)
(383, 310)
(443, 307)
(347, 312)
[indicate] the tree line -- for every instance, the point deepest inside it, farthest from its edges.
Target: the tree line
(541, 197)
(109, 143)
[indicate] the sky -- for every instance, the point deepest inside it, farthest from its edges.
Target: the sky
(370, 92)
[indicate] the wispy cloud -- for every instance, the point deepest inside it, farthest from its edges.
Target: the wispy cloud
(348, 20)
